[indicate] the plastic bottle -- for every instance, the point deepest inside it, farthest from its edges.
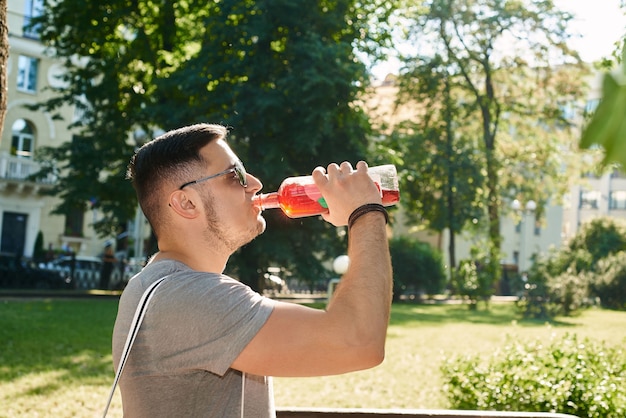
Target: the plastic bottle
(299, 196)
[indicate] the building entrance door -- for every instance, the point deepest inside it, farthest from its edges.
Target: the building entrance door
(13, 232)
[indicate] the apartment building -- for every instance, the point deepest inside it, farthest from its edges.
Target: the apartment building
(25, 209)
(595, 197)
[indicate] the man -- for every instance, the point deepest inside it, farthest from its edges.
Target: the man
(108, 262)
(208, 344)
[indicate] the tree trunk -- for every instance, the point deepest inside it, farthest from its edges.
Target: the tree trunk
(451, 178)
(4, 58)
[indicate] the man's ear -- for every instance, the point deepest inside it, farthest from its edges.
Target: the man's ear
(180, 201)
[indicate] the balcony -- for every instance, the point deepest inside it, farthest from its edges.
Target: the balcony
(16, 172)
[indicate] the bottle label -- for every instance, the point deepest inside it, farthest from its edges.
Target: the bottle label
(314, 194)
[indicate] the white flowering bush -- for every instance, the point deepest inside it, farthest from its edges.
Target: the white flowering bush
(582, 378)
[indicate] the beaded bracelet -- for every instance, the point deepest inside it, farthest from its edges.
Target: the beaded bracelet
(362, 210)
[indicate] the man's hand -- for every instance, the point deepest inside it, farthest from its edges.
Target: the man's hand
(345, 189)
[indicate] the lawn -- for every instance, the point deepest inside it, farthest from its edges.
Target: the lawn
(55, 356)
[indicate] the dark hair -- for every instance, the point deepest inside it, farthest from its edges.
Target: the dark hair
(168, 158)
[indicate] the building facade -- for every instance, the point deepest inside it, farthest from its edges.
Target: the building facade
(25, 209)
(595, 197)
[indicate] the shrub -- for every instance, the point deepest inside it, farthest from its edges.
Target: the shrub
(558, 284)
(600, 237)
(416, 266)
(569, 278)
(585, 379)
(472, 282)
(609, 284)
(475, 278)
(568, 292)
(39, 252)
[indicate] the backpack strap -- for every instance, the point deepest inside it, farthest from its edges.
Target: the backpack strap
(140, 312)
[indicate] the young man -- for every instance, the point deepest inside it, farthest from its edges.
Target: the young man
(208, 344)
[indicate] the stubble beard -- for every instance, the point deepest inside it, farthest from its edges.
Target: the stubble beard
(231, 240)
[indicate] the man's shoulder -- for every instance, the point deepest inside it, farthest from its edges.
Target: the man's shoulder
(175, 271)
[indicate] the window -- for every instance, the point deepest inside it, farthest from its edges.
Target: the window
(589, 199)
(22, 139)
(618, 200)
(591, 106)
(27, 73)
(617, 174)
(33, 8)
(537, 228)
(568, 111)
(74, 223)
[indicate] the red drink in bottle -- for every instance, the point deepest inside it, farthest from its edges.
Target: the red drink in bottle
(299, 196)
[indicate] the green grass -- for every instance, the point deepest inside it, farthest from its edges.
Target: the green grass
(55, 356)
(418, 339)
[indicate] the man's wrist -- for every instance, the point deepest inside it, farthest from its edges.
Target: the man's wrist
(367, 208)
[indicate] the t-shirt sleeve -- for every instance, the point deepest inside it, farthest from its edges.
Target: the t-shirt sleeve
(202, 321)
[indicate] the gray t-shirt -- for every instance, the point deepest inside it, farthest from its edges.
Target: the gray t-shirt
(195, 327)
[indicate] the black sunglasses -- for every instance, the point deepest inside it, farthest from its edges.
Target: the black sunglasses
(238, 169)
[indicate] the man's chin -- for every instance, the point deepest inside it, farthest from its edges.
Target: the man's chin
(258, 229)
(261, 225)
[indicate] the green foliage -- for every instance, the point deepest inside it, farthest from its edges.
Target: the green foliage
(284, 75)
(557, 284)
(39, 251)
(561, 260)
(93, 179)
(567, 279)
(600, 237)
(514, 154)
(417, 267)
(609, 283)
(568, 292)
(441, 170)
(475, 277)
(563, 375)
(607, 127)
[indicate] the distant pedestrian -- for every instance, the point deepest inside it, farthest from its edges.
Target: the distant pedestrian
(50, 253)
(72, 266)
(108, 264)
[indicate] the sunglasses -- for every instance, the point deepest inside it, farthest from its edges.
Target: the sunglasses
(238, 169)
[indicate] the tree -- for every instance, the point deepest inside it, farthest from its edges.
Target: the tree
(4, 58)
(283, 75)
(39, 251)
(441, 174)
(518, 77)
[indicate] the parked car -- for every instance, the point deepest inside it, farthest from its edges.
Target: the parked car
(86, 273)
(20, 273)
